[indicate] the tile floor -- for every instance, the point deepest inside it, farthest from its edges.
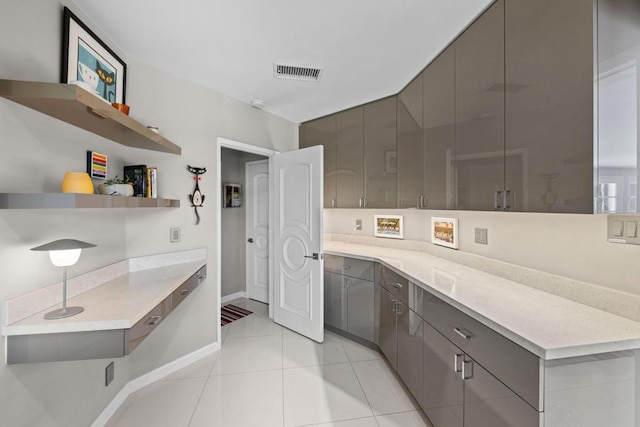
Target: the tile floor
(266, 375)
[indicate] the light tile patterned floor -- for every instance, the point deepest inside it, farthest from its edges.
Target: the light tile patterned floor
(266, 375)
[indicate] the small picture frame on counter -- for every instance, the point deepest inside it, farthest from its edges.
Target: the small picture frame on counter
(388, 226)
(444, 232)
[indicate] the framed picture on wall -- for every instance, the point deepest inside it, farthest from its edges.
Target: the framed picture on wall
(389, 226)
(232, 197)
(87, 59)
(444, 232)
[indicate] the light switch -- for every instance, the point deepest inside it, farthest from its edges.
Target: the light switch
(617, 228)
(632, 229)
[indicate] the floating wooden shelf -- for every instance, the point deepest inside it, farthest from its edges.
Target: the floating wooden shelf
(79, 201)
(76, 106)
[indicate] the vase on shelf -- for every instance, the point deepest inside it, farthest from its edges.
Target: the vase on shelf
(116, 189)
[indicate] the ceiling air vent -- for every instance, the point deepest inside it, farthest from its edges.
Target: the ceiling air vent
(296, 72)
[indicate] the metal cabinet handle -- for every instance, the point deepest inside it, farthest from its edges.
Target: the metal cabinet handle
(394, 307)
(365, 203)
(456, 362)
(397, 285)
(360, 202)
(250, 240)
(347, 267)
(507, 199)
(467, 369)
(154, 320)
(424, 203)
(185, 291)
(333, 203)
(497, 202)
(463, 334)
(419, 202)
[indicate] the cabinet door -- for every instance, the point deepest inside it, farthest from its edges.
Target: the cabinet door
(489, 403)
(442, 387)
(360, 308)
(380, 153)
(323, 132)
(409, 164)
(479, 82)
(439, 117)
(335, 302)
(549, 105)
(350, 157)
(387, 333)
(410, 349)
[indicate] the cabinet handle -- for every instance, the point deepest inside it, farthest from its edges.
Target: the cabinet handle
(394, 307)
(467, 369)
(185, 291)
(507, 199)
(154, 320)
(360, 202)
(365, 203)
(419, 202)
(398, 307)
(397, 285)
(456, 362)
(496, 201)
(333, 203)
(464, 335)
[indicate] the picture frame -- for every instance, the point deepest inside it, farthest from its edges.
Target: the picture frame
(232, 196)
(388, 226)
(87, 59)
(444, 232)
(97, 164)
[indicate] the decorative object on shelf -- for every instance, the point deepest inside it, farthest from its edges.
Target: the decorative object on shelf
(77, 182)
(121, 107)
(390, 226)
(87, 58)
(232, 196)
(197, 198)
(116, 187)
(97, 165)
(64, 253)
(444, 232)
(137, 176)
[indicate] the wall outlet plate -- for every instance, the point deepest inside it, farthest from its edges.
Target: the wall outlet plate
(175, 235)
(358, 224)
(623, 229)
(481, 235)
(109, 374)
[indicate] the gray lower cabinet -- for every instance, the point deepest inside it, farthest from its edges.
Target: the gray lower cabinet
(360, 308)
(334, 301)
(387, 329)
(409, 332)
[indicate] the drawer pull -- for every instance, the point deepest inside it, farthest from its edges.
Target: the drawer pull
(464, 335)
(456, 363)
(185, 291)
(154, 320)
(467, 369)
(397, 285)
(347, 267)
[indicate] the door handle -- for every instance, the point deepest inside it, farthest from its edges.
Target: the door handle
(250, 240)
(315, 256)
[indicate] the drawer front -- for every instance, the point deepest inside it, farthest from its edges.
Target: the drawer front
(356, 268)
(397, 285)
(185, 289)
(146, 325)
(513, 365)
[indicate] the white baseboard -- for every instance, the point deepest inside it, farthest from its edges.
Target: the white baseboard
(241, 294)
(151, 377)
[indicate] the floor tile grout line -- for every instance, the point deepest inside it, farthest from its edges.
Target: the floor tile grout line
(364, 393)
(195, 408)
(339, 421)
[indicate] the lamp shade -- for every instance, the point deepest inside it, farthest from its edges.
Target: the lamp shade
(64, 252)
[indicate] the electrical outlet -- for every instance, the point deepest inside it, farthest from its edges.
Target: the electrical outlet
(175, 235)
(481, 235)
(358, 224)
(109, 374)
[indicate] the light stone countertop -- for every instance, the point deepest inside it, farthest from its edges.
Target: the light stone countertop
(549, 326)
(116, 304)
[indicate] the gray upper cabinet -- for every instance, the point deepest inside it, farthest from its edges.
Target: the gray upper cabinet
(549, 105)
(479, 112)
(380, 153)
(323, 132)
(350, 157)
(409, 161)
(618, 106)
(439, 132)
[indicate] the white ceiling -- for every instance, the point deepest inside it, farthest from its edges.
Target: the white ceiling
(368, 48)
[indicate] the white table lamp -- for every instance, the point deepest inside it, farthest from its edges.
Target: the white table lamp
(64, 253)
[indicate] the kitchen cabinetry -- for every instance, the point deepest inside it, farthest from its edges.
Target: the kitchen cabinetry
(479, 113)
(380, 153)
(409, 165)
(349, 296)
(549, 105)
(322, 131)
(350, 158)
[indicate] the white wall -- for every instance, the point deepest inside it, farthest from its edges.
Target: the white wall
(37, 150)
(573, 246)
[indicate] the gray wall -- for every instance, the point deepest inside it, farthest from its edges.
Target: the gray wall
(569, 245)
(233, 224)
(36, 152)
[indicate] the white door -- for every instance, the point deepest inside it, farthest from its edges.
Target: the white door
(298, 279)
(257, 229)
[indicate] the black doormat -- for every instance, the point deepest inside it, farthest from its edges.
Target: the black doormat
(230, 312)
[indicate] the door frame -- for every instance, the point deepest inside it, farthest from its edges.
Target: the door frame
(247, 148)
